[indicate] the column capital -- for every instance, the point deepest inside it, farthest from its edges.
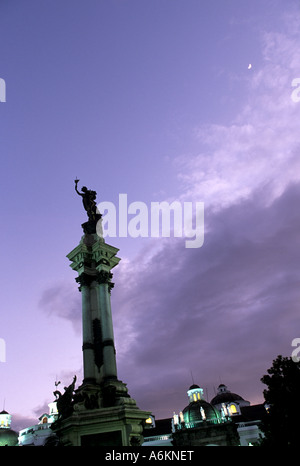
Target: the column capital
(84, 280)
(92, 254)
(101, 277)
(104, 277)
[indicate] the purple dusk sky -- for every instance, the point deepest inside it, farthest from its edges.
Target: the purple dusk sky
(155, 99)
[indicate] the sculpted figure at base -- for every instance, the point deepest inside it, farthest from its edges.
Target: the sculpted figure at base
(65, 401)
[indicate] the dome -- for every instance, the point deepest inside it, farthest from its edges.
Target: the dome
(200, 410)
(225, 396)
(5, 420)
(8, 438)
(192, 387)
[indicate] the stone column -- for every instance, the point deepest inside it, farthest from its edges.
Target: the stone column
(109, 353)
(93, 259)
(87, 331)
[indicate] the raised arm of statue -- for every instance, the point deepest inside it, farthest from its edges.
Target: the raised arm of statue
(76, 189)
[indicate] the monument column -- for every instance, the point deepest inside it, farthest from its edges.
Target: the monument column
(100, 412)
(93, 259)
(87, 335)
(109, 352)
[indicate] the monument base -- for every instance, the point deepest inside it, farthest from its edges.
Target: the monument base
(102, 416)
(105, 427)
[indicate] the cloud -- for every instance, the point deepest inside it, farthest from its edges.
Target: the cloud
(41, 409)
(259, 148)
(63, 300)
(19, 422)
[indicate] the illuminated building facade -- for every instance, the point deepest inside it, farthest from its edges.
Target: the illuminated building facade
(228, 420)
(229, 402)
(38, 434)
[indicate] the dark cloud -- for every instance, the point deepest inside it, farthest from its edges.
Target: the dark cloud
(222, 312)
(42, 409)
(225, 313)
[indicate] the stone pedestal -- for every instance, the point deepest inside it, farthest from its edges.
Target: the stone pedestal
(102, 419)
(100, 412)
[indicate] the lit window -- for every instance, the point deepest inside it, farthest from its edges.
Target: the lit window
(194, 396)
(233, 409)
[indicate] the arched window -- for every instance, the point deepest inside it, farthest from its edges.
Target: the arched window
(233, 409)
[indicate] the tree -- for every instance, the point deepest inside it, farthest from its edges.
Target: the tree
(281, 426)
